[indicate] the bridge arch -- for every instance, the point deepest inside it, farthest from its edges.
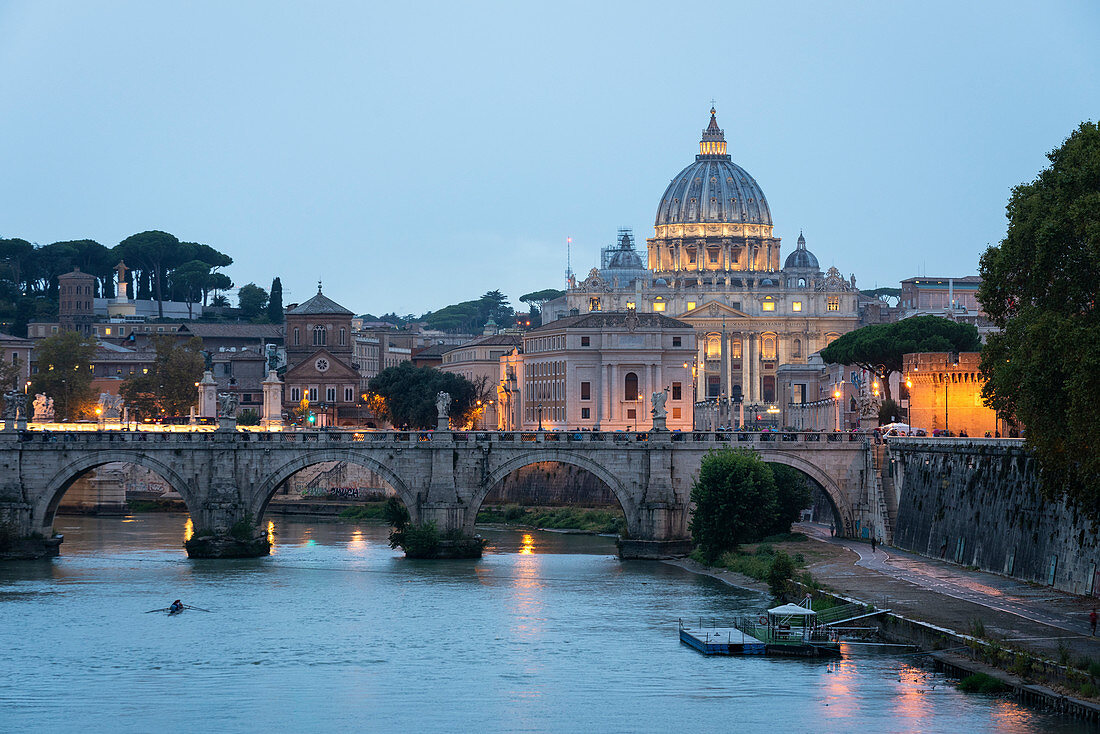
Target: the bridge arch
(266, 490)
(573, 458)
(62, 479)
(833, 491)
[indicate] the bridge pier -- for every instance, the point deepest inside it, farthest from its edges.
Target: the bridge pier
(225, 528)
(19, 539)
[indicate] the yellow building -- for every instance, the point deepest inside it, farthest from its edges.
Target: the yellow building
(945, 393)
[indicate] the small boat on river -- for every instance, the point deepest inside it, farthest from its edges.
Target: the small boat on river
(788, 630)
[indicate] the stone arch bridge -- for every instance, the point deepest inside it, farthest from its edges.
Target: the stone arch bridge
(226, 476)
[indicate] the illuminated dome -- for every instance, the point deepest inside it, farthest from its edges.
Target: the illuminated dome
(801, 258)
(713, 189)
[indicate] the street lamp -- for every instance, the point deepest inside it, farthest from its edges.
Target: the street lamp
(836, 400)
(909, 403)
(540, 415)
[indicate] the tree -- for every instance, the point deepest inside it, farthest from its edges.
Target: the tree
(408, 394)
(169, 387)
(217, 282)
(1040, 286)
(190, 281)
(154, 252)
(275, 303)
(10, 374)
(252, 300)
(792, 496)
(538, 299)
(879, 348)
(65, 374)
(735, 502)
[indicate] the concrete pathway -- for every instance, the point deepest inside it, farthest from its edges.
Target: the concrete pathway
(1030, 616)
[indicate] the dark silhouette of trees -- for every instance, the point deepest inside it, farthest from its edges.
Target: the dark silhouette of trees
(879, 348)
(1041, 285)
(275, 302)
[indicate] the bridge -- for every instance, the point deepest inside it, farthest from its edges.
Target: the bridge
(227, 476)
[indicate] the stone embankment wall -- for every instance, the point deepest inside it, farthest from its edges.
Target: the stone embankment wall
(976, 502)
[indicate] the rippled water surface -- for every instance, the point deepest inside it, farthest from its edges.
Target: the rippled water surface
(334, 631)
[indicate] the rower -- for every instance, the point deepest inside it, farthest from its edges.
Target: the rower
(177, 606)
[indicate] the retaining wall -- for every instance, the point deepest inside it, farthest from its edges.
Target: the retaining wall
(976, 502)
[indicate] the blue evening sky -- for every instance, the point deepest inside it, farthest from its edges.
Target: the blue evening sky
(416, 154)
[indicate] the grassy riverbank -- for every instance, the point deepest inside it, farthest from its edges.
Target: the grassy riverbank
(586, 519)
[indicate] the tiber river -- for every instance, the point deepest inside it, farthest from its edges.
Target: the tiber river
(336, 632)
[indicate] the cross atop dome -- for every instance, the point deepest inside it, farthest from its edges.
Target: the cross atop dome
(713, 144)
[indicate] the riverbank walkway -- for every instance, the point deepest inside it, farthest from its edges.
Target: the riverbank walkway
(1029, 616)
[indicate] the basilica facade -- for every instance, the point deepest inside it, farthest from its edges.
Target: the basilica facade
(715, 263)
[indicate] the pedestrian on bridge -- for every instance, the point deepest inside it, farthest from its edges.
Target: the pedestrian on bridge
(874, 543)
(1092, 621)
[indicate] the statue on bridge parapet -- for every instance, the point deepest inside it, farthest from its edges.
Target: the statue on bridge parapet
(15, 404)
(227, 404)
(43, 408)
(658, 410)
(442, 407)
(111, 406)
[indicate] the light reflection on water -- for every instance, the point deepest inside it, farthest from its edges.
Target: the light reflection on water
(547, 632)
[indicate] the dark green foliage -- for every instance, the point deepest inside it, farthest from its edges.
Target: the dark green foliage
(1040, 286)
(879, 348)
(248, 417)
(418, 541)
(471, 316)
(275, 303)
(779, 573)
(396, 514)
(792, 494)
(64, 374)
(366, 511)
(408, 395)
(888, 412)
(169, 386)
(735, 502)
(155, 253)
(981, 683)
(243, 529)
(252, 300)
(558, 518)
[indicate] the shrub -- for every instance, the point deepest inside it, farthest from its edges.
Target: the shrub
(243, 529)
(248, 417)
(780, 572)
(418, 541)
(977, 628)
(981, 683)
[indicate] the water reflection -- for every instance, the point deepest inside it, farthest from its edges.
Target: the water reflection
(549, 632)
(271, 535)
(188, 530)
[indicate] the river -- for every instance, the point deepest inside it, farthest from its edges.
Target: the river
(335, 631)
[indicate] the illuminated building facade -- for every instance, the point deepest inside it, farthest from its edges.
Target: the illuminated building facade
(319, 361)
(714, 263)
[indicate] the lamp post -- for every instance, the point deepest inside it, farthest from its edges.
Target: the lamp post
(539, 409)
(909, 403)
(837, 393)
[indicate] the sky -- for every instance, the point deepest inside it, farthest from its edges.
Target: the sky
(411, 155)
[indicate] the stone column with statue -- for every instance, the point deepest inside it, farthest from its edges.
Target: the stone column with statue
(208, 390)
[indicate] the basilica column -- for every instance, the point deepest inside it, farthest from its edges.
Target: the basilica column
(746, 339)
(723, 351)
(700, 366)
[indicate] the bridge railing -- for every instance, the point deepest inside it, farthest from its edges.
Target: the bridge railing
(411, 438)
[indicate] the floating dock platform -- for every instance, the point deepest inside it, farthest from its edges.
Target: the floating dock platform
(722, 641)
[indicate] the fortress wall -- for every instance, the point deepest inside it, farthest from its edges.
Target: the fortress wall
(977, 503)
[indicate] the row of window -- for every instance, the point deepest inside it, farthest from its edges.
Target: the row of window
(76, 290)
(76, 305)
(544, 344)
(313, 392)
(320, 336)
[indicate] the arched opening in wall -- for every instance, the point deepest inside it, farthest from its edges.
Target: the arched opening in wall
(99, 504)
(554, 495)
(306, 497)
(630, 386)
(820, 508)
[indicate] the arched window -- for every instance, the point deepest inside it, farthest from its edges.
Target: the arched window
(796, 348)
(296, 336)
(630, 386)
(714, 347)
(801, 282)
(831, 337)
(320, 336)
(343, 335)
(767, 346)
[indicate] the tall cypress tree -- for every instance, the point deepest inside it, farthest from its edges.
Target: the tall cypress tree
(275, 302)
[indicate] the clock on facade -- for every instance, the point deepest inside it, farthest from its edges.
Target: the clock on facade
(321, 365)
